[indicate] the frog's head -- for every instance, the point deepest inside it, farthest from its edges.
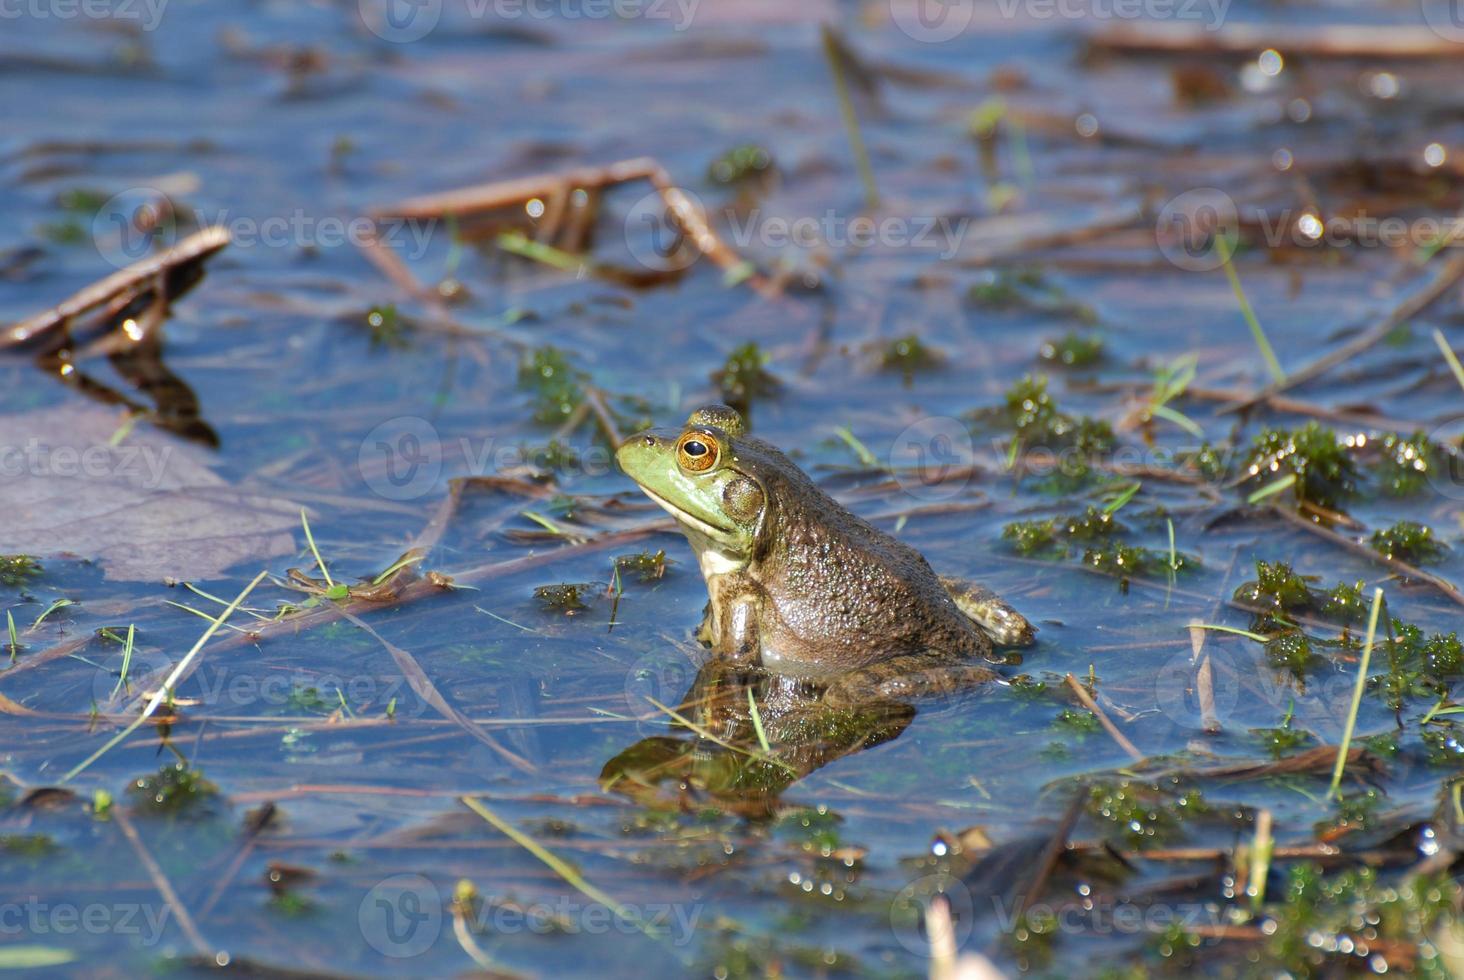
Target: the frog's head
(699, 476)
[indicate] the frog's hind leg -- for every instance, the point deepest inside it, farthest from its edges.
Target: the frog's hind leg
(991, 612)
(907, 678)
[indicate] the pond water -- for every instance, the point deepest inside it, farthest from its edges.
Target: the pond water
(458, 763)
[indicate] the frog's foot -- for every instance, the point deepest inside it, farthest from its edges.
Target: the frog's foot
(706, 633)
(906, 679)
(991, 612)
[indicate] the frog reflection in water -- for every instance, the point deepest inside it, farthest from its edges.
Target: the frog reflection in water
(802, 587)
(739, 709)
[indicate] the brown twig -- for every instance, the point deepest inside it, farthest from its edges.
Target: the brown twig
(135, 277)
(558, 186)
(1104, 720)
(1247, 40)
(423, 687)
(1403, 568)
(1048, 861)
(162, 884)
(596, 399)
(1448, 275)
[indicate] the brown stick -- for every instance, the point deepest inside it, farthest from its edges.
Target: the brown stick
(422, 685)
(1104, 720)
(1247, 40)
(162, 884)
(1448, 275)
(1358, 548)
(504, 193)
(198, 245)
(1055, 847)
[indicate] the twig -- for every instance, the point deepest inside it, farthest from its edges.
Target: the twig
(1048, 861)
(501, 194)
(1245, 40)
(1358, 548)
(163, 885)
(196, 246)
(1104, 720)
(166, 689)
(596, 399)
(1447, 276)
(423, 687)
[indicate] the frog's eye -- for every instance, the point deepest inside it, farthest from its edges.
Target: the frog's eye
(696, 451)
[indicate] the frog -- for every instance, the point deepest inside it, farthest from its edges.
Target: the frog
(799, 585)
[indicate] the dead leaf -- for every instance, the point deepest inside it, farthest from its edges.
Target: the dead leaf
(147, 509)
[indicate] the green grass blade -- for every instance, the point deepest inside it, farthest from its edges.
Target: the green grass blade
(557, 864)
(1372, 631)
(1223, 244)
(310, 539)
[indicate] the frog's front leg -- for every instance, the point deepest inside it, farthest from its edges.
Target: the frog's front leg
(730, 626)
(991, 612)
(906, 679)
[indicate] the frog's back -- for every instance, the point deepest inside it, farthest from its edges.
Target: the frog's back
(846, 593)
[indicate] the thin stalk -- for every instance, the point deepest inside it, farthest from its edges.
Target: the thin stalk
(1223, 244)
(1372, 632)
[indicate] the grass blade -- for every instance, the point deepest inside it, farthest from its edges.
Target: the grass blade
(1449, 356)
(762, 736)
(557, 864)
(1372, 632)
(167, 686)
(835, 58)
(126, 660)
(310, 539)
(1223, 244)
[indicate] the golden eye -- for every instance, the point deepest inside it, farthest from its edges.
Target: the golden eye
(696, 451)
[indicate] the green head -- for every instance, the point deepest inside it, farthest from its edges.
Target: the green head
(698, 475)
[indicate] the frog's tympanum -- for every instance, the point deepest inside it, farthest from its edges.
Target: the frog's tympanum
(800, 585)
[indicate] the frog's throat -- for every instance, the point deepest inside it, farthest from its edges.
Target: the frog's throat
(702, 534)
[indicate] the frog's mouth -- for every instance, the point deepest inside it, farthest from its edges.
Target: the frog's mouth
(715, 532)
